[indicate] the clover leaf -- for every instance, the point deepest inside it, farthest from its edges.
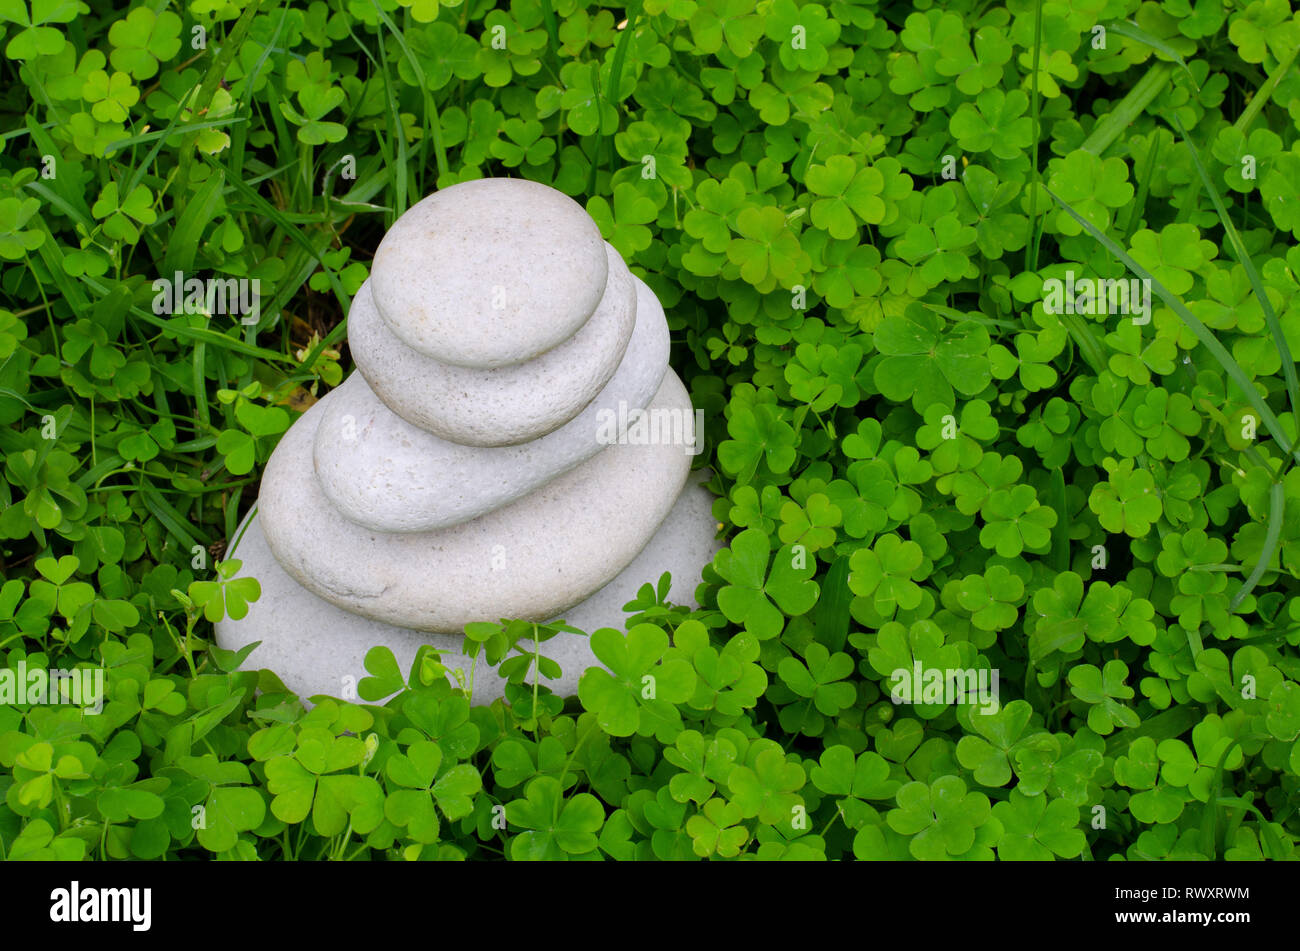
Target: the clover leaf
(768, 789)
(940, 817)
(925, 362)
(1103, 689)
(1036, 828)
(756, 597)
(558, 828)
(640, 688)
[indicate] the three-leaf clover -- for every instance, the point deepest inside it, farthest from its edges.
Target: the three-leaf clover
(940, 817)
(227, 596)
(1103, 690)
(557, 827)
(1035, 828)
(640, 687)
(925, 361)
(756, 597)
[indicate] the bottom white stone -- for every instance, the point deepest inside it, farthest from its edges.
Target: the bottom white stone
(316, 648)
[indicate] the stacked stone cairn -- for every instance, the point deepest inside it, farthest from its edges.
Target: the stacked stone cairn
(512, 445)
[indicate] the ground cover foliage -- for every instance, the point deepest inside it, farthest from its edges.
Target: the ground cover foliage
(854, 214)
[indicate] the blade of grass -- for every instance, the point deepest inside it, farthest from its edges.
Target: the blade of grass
(239, 135)
(394, 116)
(171, 519)
(1031, 239)
(208, 88)
(1243, 258)
(1134, 32)
(232, 513)
(1085, 339)
(183, 244)
(68, 192)
(401, 186)
(1163, 726)
(51, 252)
(831, 617)
(620, 60)
(201, 385)
(1202, 333)
(958, 316)
(203, 335)
(1265, 93)
(73, 293)
(1272, 536)
(1145, 90)
(286, 141)
(1210, 813)
(294, 234)
(611, 90)
(1265, 830)
(1144, 186)
(1061, 534)
(162, 135)
(552, 30)
(59, 202)
(430, 110)
(1277, 498)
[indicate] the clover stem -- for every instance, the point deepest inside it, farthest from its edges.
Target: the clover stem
(1031, 244)
(537, 673)
(574, 752)
(59, 805)
(826, 828)
(1265, 92)
(49, 315)
(347, 834)
(794, 734)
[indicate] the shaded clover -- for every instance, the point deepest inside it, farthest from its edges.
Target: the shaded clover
(1126, 501)
(812, 525)
(925, 362)
(757, 598)
(1035, 828)
(940, 817)
(1015, 521)
(991, 598)
(1001, 737)
(854, 781)
(820, 679)
(557, 828)
(768, 788)
(641, 691)
(884, 577)
(758, 435)
(1102, 690)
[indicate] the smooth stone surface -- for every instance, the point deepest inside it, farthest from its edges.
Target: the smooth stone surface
(531, 559)
(489, 272)
(384, 473)
(318, 649)
(504, 406)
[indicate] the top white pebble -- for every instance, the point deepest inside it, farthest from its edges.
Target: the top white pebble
(489, 273)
